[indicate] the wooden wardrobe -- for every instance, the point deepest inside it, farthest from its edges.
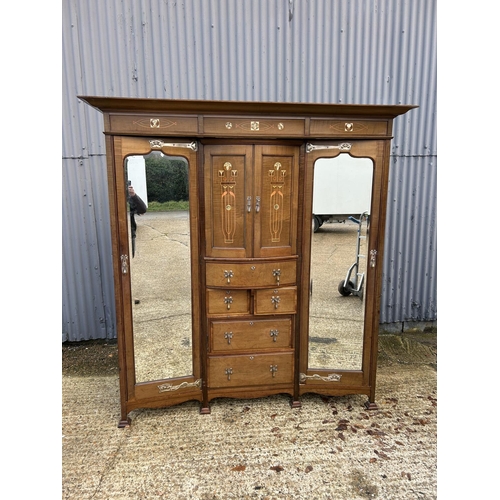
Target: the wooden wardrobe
(265, 277)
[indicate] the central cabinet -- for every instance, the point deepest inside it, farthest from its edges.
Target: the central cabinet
(251, 204)
(266, 277)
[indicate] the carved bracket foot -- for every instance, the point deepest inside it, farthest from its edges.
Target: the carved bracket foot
(371, 405)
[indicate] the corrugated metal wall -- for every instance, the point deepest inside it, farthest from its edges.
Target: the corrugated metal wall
(349, 51)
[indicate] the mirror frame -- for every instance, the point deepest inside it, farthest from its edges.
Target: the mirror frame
(160, 393)
(336, 381)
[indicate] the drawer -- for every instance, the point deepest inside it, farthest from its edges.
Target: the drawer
(252, 275)
(244, 126)
(250, 370)
(281, 300)
(250, 335)
(154, 124)
(228, 301)
(346, 128)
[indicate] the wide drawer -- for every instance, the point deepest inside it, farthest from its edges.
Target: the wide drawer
(252, 275)
(258, 369)
(244, 126)
(250, 335)
(345, 128)
(228, 301)
(154, 124)
(281, 300)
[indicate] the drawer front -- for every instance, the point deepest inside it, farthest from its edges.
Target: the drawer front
(250, 335)
(252, 275)
(228, 302)
(346, 128)
(242, 371)
(281, 300)
(243, 126)
(154, 124)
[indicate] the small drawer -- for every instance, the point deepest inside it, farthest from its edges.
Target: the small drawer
(346, 128)
(276, 301)
(251, 335)
(154, 124)
(250, 370)
(228, 302)
(252, 275)
(244, 126)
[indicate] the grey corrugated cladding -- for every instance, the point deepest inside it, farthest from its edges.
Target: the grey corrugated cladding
(358, 51)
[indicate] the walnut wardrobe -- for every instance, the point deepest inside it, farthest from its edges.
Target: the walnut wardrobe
(266, 276)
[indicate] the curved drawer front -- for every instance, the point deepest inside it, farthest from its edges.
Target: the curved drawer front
(251, 274)
(251, 335)
(250, 370)
(228, 302)
(281, 300)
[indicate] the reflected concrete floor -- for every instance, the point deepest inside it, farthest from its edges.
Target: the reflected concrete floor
(161, 293)
(336, 321)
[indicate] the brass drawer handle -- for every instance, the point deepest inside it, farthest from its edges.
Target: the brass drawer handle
(229, 372)
(277, 274)
(228, 336)
(275, 300)
(228, 300)
(249, 204)
(228, 275)
(273, 369)
(274, 334)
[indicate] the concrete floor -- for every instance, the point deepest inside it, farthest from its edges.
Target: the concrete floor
(330, 448)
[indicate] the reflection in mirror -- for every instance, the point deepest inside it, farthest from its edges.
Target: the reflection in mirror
(159, 240)
(341, 218)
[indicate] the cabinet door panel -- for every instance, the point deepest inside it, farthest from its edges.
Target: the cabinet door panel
(228, 186)
(276, 192)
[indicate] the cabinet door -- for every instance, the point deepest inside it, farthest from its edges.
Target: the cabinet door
(251, 199)
(276, 200)
(228, 196)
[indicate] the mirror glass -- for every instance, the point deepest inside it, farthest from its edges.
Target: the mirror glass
(160, 269)
(341, 219)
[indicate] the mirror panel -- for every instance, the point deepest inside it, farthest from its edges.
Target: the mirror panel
(341, 217)
(160, 269)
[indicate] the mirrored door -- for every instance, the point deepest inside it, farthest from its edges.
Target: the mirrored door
(342, 190)
(160, 265)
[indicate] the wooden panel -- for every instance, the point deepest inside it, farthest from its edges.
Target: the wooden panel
(276, 301)
(251, 335)
(227, 187)
(154, 124)
(277, 187)
(257, 127)
(250, 370)
(347, 128)
(252, 274)
(228, 302)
